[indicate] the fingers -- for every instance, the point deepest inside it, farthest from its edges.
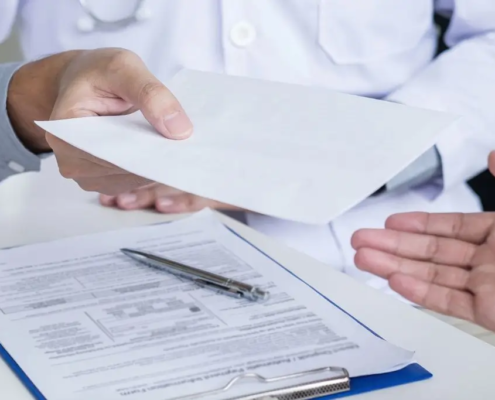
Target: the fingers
(116, 81)
(91, 173)
(484, 255)
(491, 163)
(107, 200)
(416, 246)
(385, 265)
(138, 199)
(472, 228)
(144, 197)
(110, 82)
(482, 280)
(78, 101)
(141, 199)
(164, 199)
(482, 284)
(112, 185)
(131, 80)
(185, 203)
(75, 163)
(456, 303)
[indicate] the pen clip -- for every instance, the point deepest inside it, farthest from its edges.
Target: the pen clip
(229, 291)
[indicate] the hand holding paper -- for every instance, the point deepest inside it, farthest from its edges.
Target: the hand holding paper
(90, 83)
(300, 153)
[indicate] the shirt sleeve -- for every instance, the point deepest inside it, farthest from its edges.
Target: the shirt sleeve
(14, 157)
(460, 81)
(8, 14)
(425, 169)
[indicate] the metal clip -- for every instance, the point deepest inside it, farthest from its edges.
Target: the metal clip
(305, 391)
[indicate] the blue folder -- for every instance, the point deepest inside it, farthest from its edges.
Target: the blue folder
(362, 384)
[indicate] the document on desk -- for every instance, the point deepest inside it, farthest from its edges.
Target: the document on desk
(85, 322)
(295, 152)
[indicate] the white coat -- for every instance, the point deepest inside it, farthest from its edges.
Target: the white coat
(376, 48)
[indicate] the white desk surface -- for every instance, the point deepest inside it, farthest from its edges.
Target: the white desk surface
(41, 207)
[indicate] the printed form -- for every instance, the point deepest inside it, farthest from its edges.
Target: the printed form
(83, 321)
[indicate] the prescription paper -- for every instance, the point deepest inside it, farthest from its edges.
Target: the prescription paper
(295, 152)
(83, 321)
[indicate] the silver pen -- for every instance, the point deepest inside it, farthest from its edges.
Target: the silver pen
(205, 279)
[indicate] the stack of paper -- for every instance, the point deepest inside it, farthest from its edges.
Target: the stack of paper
(83, 321)
(299, 153)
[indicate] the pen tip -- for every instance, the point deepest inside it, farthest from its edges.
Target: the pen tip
(131, 252)
(260, 295)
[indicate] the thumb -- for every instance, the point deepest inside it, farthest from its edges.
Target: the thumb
(138, 86)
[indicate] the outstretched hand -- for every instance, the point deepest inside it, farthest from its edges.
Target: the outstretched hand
(444, 262)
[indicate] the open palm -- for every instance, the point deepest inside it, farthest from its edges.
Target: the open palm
(444, 262)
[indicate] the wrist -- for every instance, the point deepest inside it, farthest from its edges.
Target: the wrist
(31, 95)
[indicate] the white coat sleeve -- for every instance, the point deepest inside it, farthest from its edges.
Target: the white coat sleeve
(461, 81)
(8, 13)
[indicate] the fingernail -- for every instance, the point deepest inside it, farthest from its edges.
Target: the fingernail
(178, 125)
(164, 203)
(127, 199)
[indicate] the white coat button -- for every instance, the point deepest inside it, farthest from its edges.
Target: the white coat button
(243, 34)
(16, 167)
(85, 24)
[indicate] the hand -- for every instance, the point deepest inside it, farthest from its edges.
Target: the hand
(90, 83)
(444, 262)
(164, 199)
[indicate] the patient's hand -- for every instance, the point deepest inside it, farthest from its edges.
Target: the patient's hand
(164, 199)
(444, 262)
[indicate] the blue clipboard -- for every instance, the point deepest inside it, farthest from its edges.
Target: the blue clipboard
(411, 373)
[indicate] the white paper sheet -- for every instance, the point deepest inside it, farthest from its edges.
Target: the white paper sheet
(85, 322)
(294, 152)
